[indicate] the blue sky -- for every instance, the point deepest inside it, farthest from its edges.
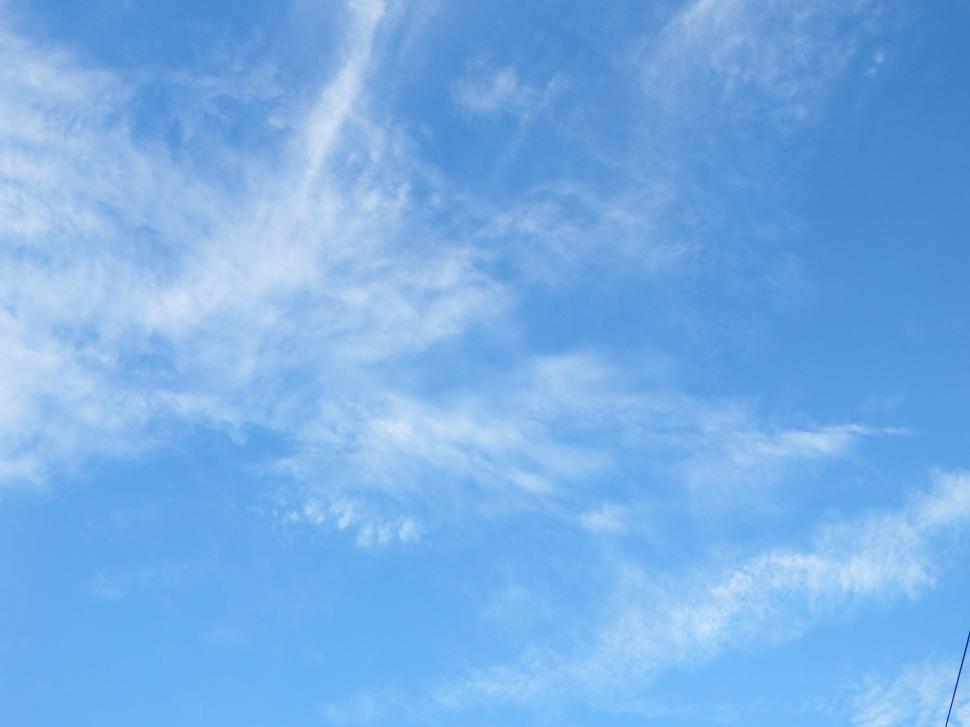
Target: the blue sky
(483, 363)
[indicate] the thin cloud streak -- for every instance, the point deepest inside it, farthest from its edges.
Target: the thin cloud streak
(918, 696)
(652, 627)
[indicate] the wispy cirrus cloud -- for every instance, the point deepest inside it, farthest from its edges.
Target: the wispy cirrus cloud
(555, 435)
(735, 457)
(919, 695)
(782, 60)
(487, 90)
(496, 92)
(136, 288)
(476, 314)
(650, 626)
(291, 288)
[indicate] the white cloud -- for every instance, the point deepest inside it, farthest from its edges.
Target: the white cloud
(140, 294)
(918, 696)
(485, 89)
(547, 436)
(649, 627)
(135, 287)
(497, 91)
(733, 453)
(494, 450)
(607, 518)
(489, 92)
(345, 514)
(562, 228)
(781, 59)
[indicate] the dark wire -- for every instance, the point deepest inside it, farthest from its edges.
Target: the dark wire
(958, 681)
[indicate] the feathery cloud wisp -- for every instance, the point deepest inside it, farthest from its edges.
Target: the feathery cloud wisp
(649, 628)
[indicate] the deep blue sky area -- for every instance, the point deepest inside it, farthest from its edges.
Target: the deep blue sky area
(383, 363)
